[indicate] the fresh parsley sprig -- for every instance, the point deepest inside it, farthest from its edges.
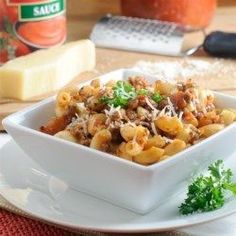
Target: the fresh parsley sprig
(207, 193)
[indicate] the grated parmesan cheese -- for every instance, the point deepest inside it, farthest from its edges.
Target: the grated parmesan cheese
(150, 104)
(130, 123)
(81, 107)
(80, 121)
(171, 70)
(155, 114)
(162, 112)
(112, 111)
(171, 106)
(181, 115)
(154, 130)
(167, 140)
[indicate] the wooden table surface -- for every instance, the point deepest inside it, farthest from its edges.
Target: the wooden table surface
(83, 14)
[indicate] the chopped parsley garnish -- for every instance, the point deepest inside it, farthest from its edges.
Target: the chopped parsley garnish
(156, 97)
(123, 92)
(142, 92)
(207, 193)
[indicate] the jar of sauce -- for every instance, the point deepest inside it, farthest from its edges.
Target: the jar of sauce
(195, 14)
(28, 25)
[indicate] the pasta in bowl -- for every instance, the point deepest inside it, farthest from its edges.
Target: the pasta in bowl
(128, 138)
(136, 120)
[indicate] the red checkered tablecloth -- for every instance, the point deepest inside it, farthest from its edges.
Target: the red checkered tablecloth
(12, 224)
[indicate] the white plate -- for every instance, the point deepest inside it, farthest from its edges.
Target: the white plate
(121, 182)
(32, 190)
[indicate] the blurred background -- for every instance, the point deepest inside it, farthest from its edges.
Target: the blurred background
(82, 14)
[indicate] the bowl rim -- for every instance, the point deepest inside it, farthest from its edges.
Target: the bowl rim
(11, 122)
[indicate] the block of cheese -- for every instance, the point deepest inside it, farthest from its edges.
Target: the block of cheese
(45, 70)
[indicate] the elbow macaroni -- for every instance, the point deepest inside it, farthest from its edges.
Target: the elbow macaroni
(170, 125)
(96, 122)
(149, 156)
(144, 131)
(66, 135)
(101, 140)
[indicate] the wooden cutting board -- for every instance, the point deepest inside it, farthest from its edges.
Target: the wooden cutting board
(221, 77)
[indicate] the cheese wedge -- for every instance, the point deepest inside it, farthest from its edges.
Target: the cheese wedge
(45, 70)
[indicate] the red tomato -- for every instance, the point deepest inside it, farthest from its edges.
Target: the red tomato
(3, 56)
(21, 49)
(3, 51)
(2, 12)
(12, 13)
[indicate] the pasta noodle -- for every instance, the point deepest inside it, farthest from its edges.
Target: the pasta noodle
(65, 134)
(155, 141)
(136, 121)
(132, 148)
(101, 140)
(208, 130)
(170, 125)
(228, 117)
(96, 122)
(149, 156)
(176, 146)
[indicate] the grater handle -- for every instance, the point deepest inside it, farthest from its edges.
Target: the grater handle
(220, 44)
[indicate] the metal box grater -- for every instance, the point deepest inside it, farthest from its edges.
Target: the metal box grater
(136, 34)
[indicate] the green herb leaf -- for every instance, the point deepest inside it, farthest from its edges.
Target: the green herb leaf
(206, 193)
(142, 92)
(231, 188)
(104, 99)
(157, 97)
(123, 92)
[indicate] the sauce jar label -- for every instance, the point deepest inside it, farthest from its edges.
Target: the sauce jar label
(28, 25)
(41, 11)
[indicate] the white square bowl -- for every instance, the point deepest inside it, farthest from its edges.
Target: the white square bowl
(126, 184)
